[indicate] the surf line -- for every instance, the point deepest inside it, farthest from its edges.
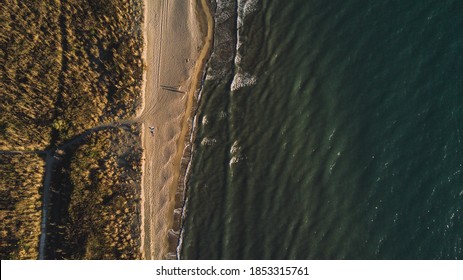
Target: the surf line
(184, 148)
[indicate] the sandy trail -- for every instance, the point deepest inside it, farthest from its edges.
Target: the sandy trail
(175, 53)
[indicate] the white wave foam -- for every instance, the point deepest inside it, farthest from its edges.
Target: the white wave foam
(235, 153)
(233, 160)
(223, 11)
(180, 240)
(242, 80)
(235, 148)
(204, 120)
(332, 134)
(208, 141)
(237, 58)
(246, 7)
(250, 6)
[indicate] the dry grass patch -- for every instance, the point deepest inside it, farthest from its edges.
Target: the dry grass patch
(68, 65)
(30, 65)
(20, 205)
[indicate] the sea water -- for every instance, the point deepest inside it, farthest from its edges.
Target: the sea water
(330, 130)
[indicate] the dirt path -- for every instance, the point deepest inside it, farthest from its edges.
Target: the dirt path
(51, 159)
(49, 164)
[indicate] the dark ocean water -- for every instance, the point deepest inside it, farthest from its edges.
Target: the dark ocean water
(330, 130)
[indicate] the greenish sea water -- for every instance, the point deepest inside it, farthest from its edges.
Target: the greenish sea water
(330, 130)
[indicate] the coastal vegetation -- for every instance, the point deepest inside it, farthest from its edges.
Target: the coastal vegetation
(102, 45)
(70, 68)
(30, 64)
(68, 65)
(20, 205)
(95, 196)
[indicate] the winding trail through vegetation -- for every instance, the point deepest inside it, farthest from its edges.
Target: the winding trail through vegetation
(52, 157)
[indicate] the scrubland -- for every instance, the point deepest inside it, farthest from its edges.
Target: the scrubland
(69, 66)
(95, 196)
(20, 205)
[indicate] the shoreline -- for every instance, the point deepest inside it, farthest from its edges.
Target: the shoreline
(185, 170)
(176, 49)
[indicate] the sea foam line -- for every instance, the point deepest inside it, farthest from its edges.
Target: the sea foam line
(242, 79)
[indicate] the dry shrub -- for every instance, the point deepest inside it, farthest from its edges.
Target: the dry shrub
(20, 205)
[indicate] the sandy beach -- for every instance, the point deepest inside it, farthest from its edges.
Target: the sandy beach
(177, 44)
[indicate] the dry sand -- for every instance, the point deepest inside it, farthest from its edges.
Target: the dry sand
(175, 52)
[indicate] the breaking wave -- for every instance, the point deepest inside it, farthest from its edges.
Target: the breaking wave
(242, 79)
